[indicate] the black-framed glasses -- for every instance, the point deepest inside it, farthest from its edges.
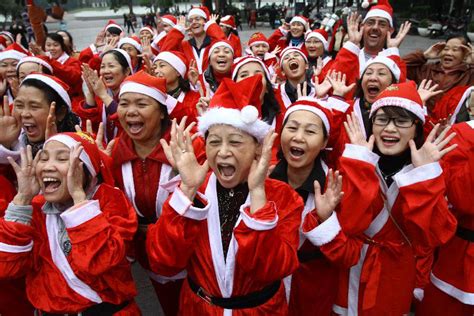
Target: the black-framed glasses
(384, 120)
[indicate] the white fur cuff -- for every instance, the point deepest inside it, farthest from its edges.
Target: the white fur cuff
(325, 232)
(76, 216)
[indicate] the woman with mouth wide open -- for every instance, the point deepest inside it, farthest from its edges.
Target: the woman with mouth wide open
(66, 230)
(393, 205)
(140, 167)
(234, 230)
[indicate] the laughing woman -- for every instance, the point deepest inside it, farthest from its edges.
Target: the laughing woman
(234, 230)
(290, 35)
(69, 241)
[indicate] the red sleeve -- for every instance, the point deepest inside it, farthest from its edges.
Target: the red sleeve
(214, 31)
(274, 38)
(172, 41)
(85, 55)
(69, 72)
(347, 61)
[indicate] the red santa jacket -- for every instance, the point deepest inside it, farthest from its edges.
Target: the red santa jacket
(183, 105)
(278, 38)
(375, 229)
(236, 44)
(68, 69)
(95, 270)
(262, 249)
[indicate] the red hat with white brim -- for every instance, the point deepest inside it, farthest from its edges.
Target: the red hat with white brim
(239, 62)
(146, 84)
(35, 59)
(176, 60)
(320, 35)
(388, 62)
(311, 104)
(54, 83)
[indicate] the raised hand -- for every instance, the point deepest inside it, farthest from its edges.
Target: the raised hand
(99, 137)
(182, 21)
(28, 186)
(327, 202)
(51, 128)
(111, 44)
(146, 48)
(75, 175)
(338, 83)
(355, 134)
(147, 65)
(276, 50)
(302, 89)
(322, 88)
(354, 29)
(167, 148)
(9, 126)
(3, 86)
(469, 53)
(433, 148)
(203, 103)
(258, 173)
(36, 49)
(214, 18)
(181, 147)
(193, 74)
(434, 50)
(319, 67)
(427, 90)
(402, 32)
(100, 39)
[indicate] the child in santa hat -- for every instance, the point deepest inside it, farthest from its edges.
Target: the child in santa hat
(227, 24)
(70, 239)
(392, 184)
(290, 34)
(233, 229)
(258, 47)
(141, 167)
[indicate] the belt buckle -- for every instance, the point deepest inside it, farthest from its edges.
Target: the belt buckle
(206, 297)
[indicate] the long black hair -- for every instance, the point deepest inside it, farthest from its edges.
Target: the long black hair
(70, 48)
(270, 106)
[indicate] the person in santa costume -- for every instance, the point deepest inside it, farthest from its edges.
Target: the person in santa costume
(32, 64)
(311, 288)
(181, 100)
(109, 35)
(316, 45)
(70, 240)
(134, 49)
(101, 92)
(393, 204)
(227, 24)
(233, 229)
(290, 35)
(140, 168)
(146, 32)
(9, 59)
(451, 287)
(259, 47)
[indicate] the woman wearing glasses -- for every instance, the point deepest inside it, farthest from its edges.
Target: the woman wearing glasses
(393, 205)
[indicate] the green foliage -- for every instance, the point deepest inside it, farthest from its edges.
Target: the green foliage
(10, 8)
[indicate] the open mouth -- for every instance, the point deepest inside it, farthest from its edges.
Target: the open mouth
(135, 127)
(296, 152)
(293, 65)
(447, 59)
(221, 63)
(51, 185)
(374, 35)
(389, 141)
(226, 170)
(373, 90)
(30, 128)
(108, 79)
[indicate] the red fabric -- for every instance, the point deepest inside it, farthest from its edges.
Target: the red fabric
(86, 55)
(176, 242)
(278, 39)
(236, 44)
(97, 256)
(438, 303)
(187, 107)
(70, 72)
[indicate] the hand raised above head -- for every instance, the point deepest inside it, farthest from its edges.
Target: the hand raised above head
(355, 134)
(434, 147)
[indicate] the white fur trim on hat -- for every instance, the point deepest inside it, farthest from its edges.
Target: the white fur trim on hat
(239, 62)
(312, 109)
(71, 142)
(36, 60)
(198, 12)
(290, 49)
(319, 37)
(149, 29)
(407, 104)
(127, 58)
(390, 63)
(174, 62)
(135, 87)
(233, 117)
(220, 44)
(130, 41)
(378, 13)
(168, 21)
(301, 20)
(53, 84)
(11, 54)
(259, 42)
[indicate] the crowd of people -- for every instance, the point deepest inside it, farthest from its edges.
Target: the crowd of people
(268, 178)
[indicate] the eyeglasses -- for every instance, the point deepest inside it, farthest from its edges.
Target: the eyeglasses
(402, 122)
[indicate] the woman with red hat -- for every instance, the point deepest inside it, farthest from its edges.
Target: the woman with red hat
(227, 24)
(316, 44)
(9, 59)
(110, 35)
(141, 168)
(290, 34)
(393, 205)
(30, 64)
(134, 49)
(70, 240)
(232, 228)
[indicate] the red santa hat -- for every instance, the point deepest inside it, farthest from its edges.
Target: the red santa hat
(14, 51)
(176, 59)
(111, 24)
(258, 38)
(133, 40)
(383, 9)
(311, 104)
(221, 43)
(388, 62)
(237, 104)
(147, 28)
(7, 34)
(403, 95)
(54, 83)
(3, 43)
(91, 156)
(239, 62)
(301, 19)
(146, 84)
(40, 60)
(319, 34)
(291, 49)
(201, 11)
(228, 21)
(169, 19)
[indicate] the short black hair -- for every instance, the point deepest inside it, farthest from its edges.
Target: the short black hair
(59, 39)
(120, 59)
(462, 36)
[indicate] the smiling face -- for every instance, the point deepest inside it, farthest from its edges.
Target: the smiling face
(259, 50)
(375, 34)
(163, 69)
(31, 109)
(375, 79)
(53, 47)
(302, 139)
(230, 153)
(8, 68)
(132, 52)
(251, 69)
(452, 55)
(221, 59)
(112, 72)
(140, 116)
(297, 29)
(145, 34)
(390, 139)
(314, 47)
(109, 36)
(196, 24)
(294, 66)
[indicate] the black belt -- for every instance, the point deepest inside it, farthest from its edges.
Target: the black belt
(102, 309)
(305, 256)
(250, 300)
(465, 233)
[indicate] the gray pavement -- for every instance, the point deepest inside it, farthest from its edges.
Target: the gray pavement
(84, 33)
